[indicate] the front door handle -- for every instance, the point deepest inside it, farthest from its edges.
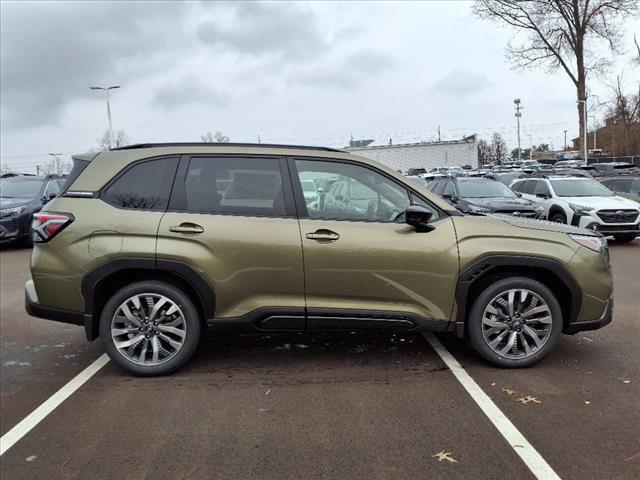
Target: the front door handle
(189, 228)
(323, 235)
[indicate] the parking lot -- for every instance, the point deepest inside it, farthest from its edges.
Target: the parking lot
(322, 406)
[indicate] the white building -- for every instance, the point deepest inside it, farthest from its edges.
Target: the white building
(423, 155)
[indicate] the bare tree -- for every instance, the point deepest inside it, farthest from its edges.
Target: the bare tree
(636, 59)
(498, 148)
(57, 166)
(623, 121)
(4, 169)
(120, 139)
(561, 34)
(217, 137)
(484, 152)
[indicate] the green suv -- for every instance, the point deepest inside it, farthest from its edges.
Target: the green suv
(150, 244)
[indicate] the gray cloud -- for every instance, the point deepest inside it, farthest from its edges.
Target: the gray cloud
(462, 82)
(189, 90)
(51, 52)
(283, 29)
(348, 73)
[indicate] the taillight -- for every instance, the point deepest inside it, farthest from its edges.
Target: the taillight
(47, 225)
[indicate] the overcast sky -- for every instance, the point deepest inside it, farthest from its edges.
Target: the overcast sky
(307, 73)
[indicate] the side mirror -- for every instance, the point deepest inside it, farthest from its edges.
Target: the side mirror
(449, 197)
(543, 195)
(518, 194)
(47, 197)
(418, 217)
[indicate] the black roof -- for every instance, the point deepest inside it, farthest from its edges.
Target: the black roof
(226, 144)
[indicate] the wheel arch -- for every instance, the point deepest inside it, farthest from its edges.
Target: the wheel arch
(555, 208)
(100, 283)
(547, 271)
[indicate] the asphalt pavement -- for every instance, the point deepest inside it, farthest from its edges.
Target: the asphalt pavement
(321, 406)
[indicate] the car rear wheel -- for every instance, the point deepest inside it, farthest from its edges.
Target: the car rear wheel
(515, 322)
(625, 238)
(150, 328)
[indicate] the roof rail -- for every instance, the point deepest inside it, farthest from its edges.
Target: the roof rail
(226, 144)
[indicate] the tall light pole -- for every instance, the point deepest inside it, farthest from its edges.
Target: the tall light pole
(107, 90)
(594, 130)
(56, 156)
(518, 115)
(530, 148)
(565, 140)
(585, 150)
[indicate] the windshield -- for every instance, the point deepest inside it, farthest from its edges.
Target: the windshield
(580, 188)
(484, 190)
(20, 187)
(308, 186)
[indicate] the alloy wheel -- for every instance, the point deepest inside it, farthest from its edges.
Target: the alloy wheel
(516, 323)
(148, 329)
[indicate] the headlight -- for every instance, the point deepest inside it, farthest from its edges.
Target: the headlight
(582, 209)
(478, 208)
(597, 244)
(11, 212)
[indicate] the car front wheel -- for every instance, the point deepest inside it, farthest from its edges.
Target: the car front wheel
(515, 322)
(150, 328)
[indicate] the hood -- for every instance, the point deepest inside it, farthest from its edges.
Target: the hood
(544, 225)
(500, 203)
(14, 202)
(603, 203)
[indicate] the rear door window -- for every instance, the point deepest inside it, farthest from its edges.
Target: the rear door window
(144, 186)
(235, 186)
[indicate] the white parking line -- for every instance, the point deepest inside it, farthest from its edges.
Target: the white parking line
(532, 459)
(39, 414)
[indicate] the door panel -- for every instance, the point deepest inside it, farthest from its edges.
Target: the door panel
(363, 258)
(381, 266)
(250, 262)
(232, 219)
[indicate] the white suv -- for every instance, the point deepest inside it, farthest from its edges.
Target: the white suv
(582, 202)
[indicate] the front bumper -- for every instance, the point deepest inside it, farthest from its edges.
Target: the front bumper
(13, 228)
(592, 222)
(605, 319)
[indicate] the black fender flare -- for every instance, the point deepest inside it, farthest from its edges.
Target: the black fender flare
(184, 271)
(487, 265)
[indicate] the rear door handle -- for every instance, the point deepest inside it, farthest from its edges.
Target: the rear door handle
(323, 235)
(188, 228)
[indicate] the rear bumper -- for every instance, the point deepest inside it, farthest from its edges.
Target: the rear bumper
(35, 309)
(605, 319)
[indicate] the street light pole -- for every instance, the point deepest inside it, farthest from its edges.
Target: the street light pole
(107, 90)
(594, 130)
(530, 148)
(518, 115)
(565, 140)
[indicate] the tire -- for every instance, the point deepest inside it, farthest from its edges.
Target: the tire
(481, 333)
(174, 336)
(558, 217)
(630, 237)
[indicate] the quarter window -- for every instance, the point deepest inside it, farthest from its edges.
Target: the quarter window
(145, 186)
(235, 186)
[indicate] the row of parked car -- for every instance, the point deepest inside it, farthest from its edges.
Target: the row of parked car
(22, 195)
(572, 196)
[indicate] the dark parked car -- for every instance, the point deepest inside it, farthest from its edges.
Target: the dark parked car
(626, 186)
(506, 177)
(20, 197)
(613, 169)
(483, 195)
